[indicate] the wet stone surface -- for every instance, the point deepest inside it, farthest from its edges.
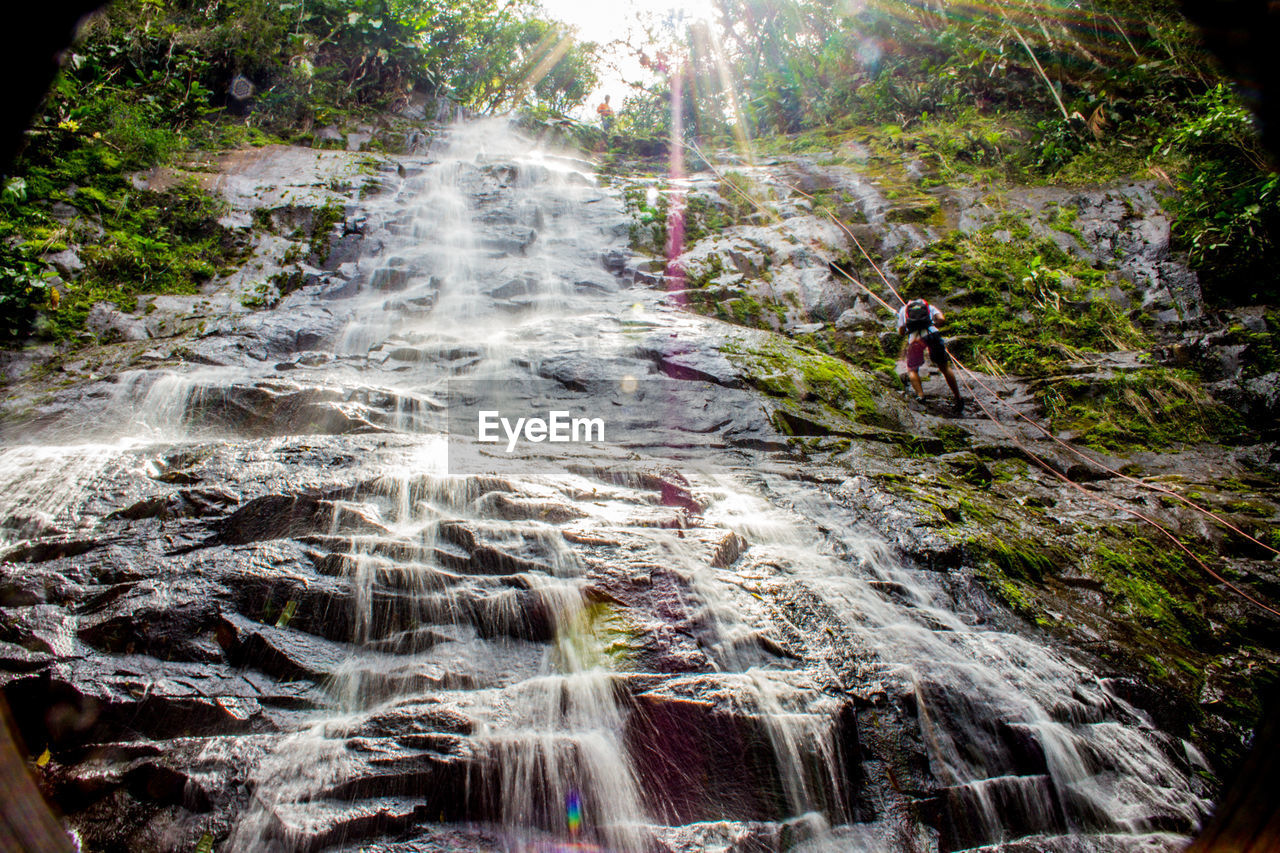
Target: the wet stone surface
(256, 602)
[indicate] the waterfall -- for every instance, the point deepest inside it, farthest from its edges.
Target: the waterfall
(674, 643)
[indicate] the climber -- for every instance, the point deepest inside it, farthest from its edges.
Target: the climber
(606, 114)
(919, 320)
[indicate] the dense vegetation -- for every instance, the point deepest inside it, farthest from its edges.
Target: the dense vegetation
(1016, 91)
(151, 80)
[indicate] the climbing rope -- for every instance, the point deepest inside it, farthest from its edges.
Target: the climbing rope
(853, 237)
(1070, 448)
(1104, 467)
(1107, 502)
(970, 375)
(774, 216)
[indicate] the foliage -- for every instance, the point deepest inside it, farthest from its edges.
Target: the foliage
(1022, 303)
(646, 115)
(552, 72)
(152, 78)
(151, 243)
(1019, 89)
(1148, 408)
(23, 292)
(1228, 207)
(310, 62)
(110, 113)
(805, 63)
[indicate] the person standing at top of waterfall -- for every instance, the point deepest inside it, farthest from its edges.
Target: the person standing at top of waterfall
(919, 320)
(606, 114)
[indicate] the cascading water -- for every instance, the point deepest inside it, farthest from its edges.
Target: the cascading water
(690, 646)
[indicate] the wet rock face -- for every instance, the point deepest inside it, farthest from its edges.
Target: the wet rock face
(269, 615)
(799, 262)
(1123, 228)
(245, 633)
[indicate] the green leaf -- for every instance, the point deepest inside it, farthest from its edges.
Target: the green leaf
(15, 190)
(289, 609)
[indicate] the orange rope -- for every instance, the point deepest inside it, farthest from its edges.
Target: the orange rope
(970, 374)
(869, 291)
(1103, 466)
(852, 237)
(1141, 516)
(760, 207)
(1155, 488)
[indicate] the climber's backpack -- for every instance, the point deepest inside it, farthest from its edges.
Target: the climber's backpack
(918, 316)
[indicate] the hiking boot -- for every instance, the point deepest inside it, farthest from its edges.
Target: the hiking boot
(920, 399)
(959, 409)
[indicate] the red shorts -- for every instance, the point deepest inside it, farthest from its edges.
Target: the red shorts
(937, 352)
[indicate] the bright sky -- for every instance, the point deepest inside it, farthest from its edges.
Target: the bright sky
(604, 20)
(608, 21)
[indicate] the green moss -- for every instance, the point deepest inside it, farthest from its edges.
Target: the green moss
(648, 205)
(1062, 218)
(920, 209)
(1263, 347)
(1148, 581)
(744, 309)
(325, 218)
(961, 147)
(702, 218)
(1105, 164)
(236, 135)
(1008, 470)
(953, 437)
(654, 206)
(1017, 300)
(865, 351)
(1012, 558)
(1010, 593)
(747, 310)
(1157, 667)
(265, 295)
(782, 368)
(930, 511)
(1188, 667)
(1148, 408)
(1253, 508)
(154, 243)
(1023, 305)
(599, 635)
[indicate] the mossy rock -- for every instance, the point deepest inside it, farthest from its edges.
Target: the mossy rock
(920, 210)
(969, 467)
(781, 368)
(815, 418)
(1018, 299)
(1023, 559)
(1150, 408)
(954, 439)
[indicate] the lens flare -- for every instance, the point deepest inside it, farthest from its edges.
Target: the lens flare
(573, 809)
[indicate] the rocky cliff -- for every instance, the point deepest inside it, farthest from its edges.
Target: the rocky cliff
(246, 603)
